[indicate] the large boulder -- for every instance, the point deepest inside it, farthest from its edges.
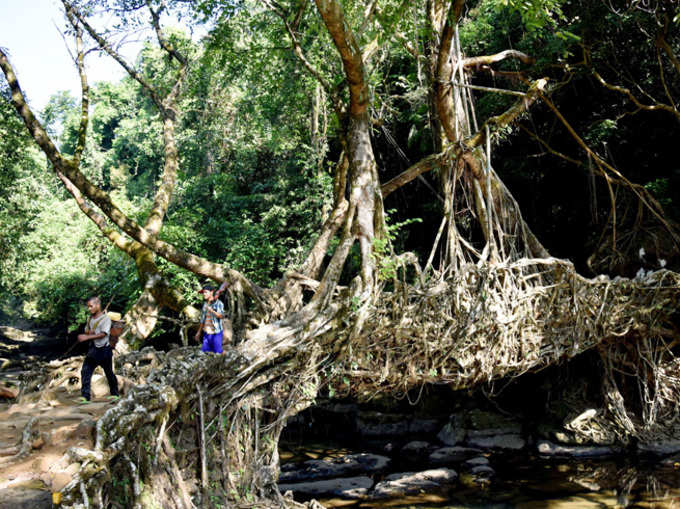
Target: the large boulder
(350, 487)
(481, 429)
(343, 466)
(407, 483)
(453, 431)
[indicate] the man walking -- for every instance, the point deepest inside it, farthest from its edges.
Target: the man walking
(99, 352)
(211, 321)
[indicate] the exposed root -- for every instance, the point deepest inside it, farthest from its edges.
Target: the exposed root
(486, 322)
(498, 320)
(24, 448)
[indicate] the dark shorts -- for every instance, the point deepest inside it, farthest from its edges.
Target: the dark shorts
(212, 342)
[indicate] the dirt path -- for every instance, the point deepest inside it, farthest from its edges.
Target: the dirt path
(46, 466)
(30, 474)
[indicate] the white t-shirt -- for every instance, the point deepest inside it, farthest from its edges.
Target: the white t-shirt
(100, 324)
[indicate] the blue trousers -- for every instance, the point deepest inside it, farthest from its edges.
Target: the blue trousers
(212, 342)
(98, 357)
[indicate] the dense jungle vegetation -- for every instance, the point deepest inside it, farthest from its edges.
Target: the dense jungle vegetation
(393, 193)
(256, 138)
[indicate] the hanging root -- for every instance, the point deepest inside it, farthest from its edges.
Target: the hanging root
(497, 320)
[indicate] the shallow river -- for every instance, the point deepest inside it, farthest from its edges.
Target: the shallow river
(523, 481)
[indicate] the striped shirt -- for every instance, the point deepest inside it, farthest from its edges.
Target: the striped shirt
(209, 320)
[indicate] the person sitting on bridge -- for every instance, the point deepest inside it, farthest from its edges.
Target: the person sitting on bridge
(211, 321)
(99, 352)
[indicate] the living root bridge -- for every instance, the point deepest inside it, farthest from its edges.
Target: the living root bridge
(490, 320)
(496, 320)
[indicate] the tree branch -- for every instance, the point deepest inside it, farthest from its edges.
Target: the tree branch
(423, 166)
(155, 21)
(455, 151)
(104, 44)
(634, 100)
(297, 50)
(498, 57)
(84, 87)
(643, 195)
(350, 53)
(658, 106)
(179, 257)
(444, 72)
(663, 44)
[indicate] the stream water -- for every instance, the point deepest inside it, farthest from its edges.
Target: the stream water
(521, 481)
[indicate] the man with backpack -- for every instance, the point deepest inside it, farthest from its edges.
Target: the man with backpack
(211, 321)
(99, 352)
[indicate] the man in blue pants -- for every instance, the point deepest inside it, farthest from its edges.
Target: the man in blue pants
(211, 321)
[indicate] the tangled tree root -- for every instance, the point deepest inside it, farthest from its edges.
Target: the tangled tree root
(206, 427)
(24, 448)
(499, 320)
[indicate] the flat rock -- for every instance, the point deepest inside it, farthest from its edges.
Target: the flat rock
(349, 487)
(406, 483)
(484, 471)
(547, 448)
(25, 498)
(477, 461)
(351, 464)
(454, 454)
(511, 442)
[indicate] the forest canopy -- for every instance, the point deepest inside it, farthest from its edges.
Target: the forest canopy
(257, 138)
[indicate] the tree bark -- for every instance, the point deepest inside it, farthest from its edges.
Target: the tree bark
(365, 214)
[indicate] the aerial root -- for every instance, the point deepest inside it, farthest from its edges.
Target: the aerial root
(497, 320)
(485, 322)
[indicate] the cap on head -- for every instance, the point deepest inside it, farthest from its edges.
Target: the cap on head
(207, 288)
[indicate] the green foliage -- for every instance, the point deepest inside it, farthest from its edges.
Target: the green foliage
(254, 183)
(537, 14)
(661, 190)
(383, 247)
(601, 132)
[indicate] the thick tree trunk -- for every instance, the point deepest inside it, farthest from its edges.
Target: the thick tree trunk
(365, 217)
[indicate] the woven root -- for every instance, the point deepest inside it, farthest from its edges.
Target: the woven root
(211, 423)
(502, 320)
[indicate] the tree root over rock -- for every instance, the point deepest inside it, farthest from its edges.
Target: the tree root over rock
(151, 435)
(24, 448)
